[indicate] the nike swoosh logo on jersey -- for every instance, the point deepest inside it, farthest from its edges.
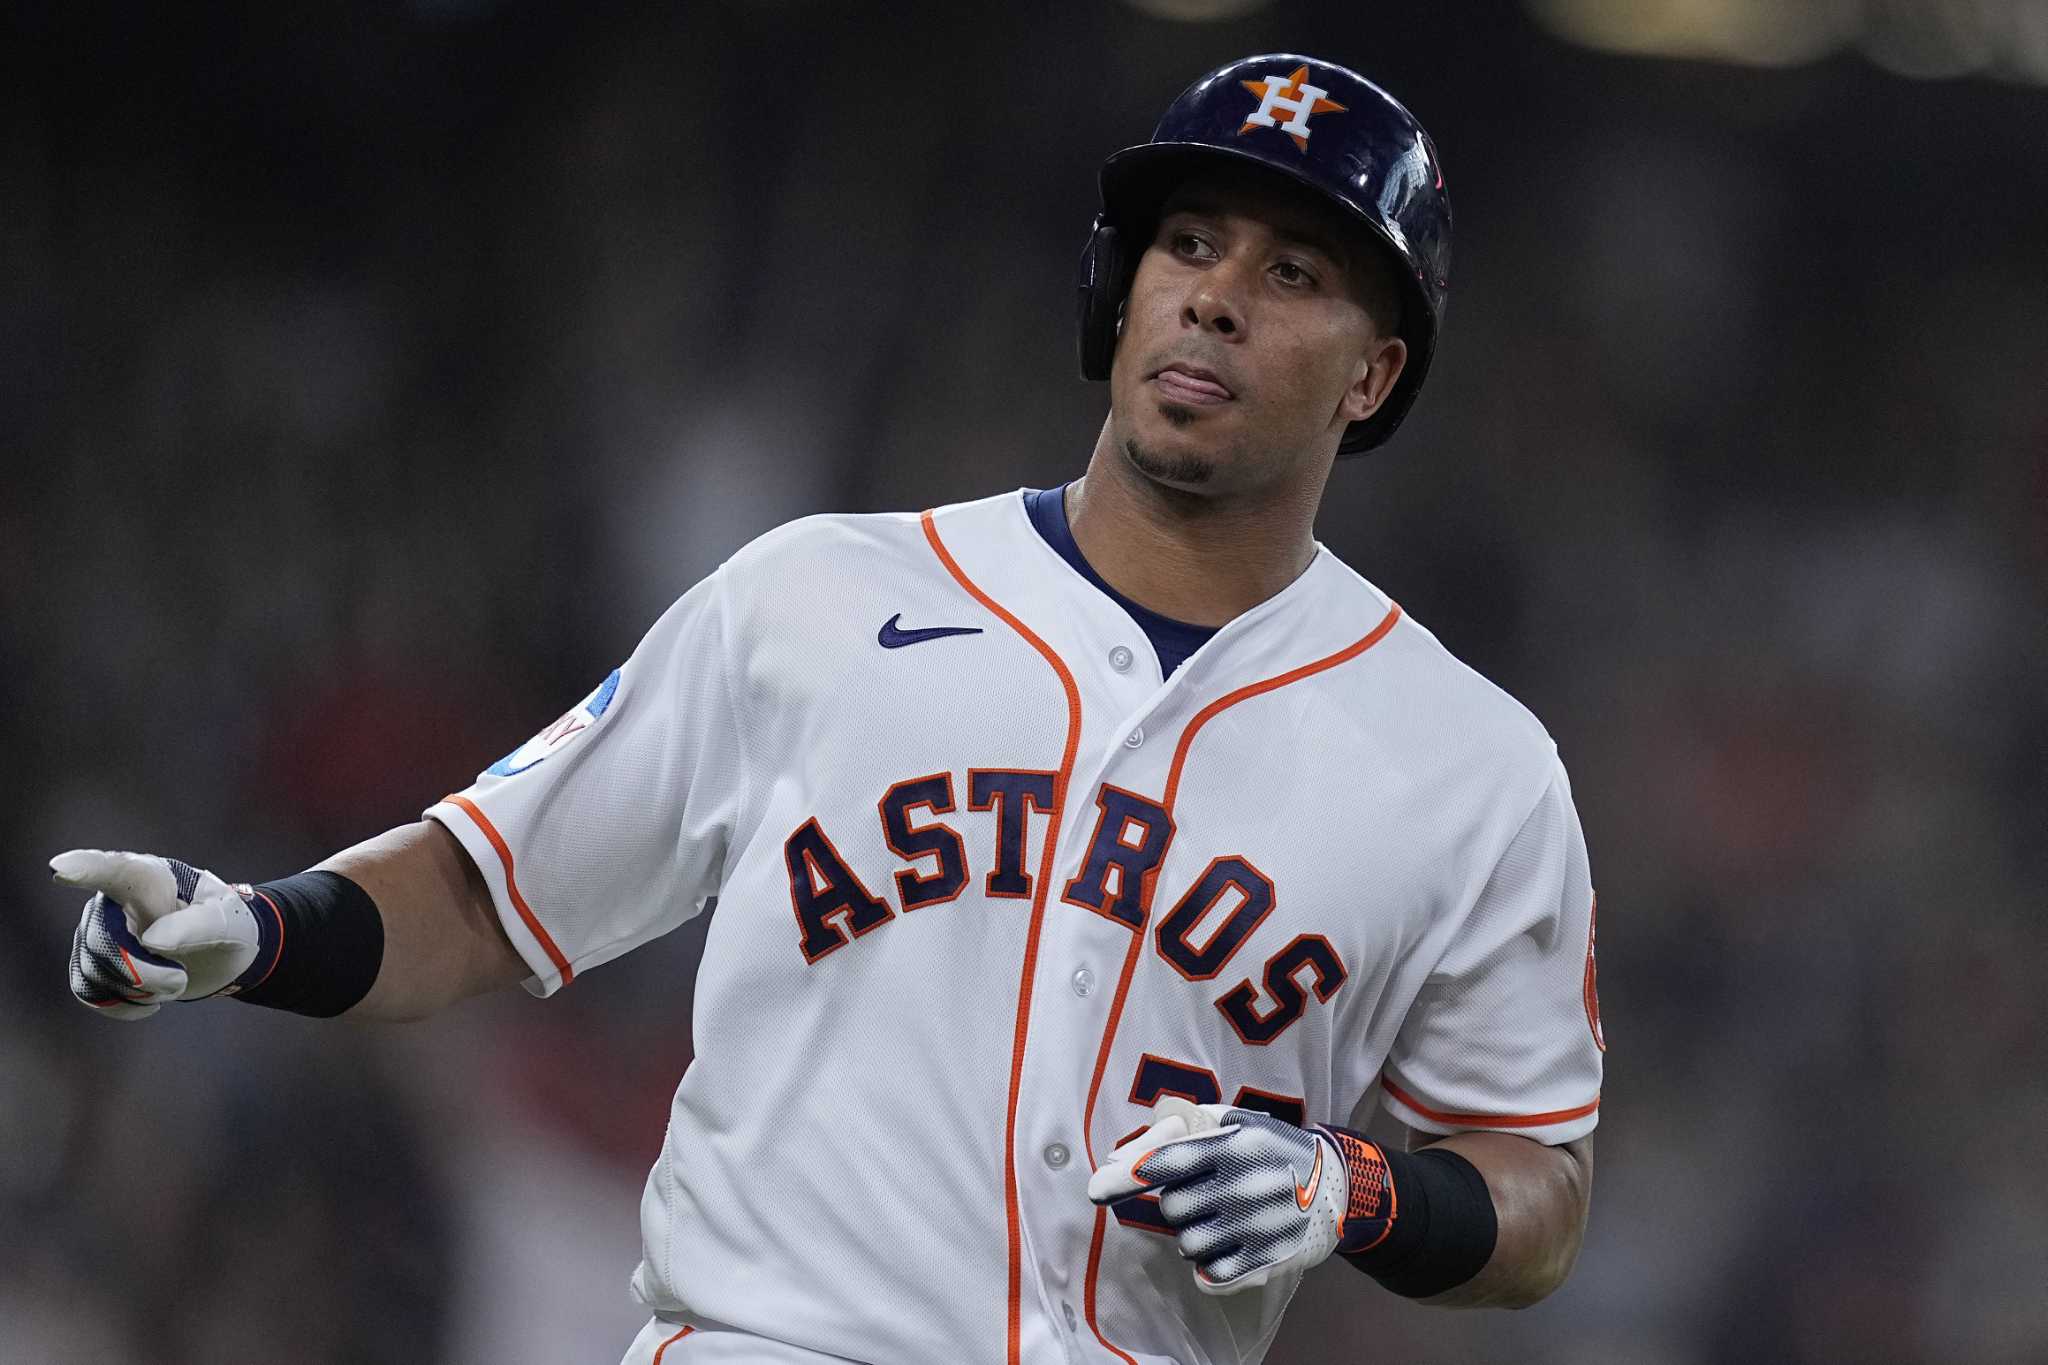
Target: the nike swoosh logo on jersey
(892, 637)
(1304, 1195)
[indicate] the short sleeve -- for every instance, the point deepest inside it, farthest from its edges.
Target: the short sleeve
(1505, 1033)
(610, 827)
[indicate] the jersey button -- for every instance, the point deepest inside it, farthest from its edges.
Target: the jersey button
(1120, 659)
(1084, 981)
(1073, 1323)
(1057, 1155)
(1135, 738)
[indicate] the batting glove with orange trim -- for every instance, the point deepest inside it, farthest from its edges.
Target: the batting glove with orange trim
(156, 929)
(1248, 1195)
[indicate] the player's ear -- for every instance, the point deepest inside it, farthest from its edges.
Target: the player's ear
(1374, 379)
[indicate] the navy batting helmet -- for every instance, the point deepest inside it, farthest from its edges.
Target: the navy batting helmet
(1323, 125)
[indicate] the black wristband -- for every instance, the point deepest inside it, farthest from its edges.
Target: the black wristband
(320, 945)
(1444, 1230)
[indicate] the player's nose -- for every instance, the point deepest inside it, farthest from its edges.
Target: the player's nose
(1215, 303)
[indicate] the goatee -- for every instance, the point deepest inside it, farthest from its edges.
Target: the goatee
(1172, 469)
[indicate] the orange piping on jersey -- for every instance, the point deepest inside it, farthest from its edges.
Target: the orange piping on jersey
(662, 1349)
(1038, 895)
(1116, 1008)
(1088, 1286)
(526, 915)
(1123, 985)
(130, 963)
(1488, 1120)
(1230, 699)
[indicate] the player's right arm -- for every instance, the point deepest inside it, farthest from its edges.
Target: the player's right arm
(616, 818)
(406, 924)
(442, 939)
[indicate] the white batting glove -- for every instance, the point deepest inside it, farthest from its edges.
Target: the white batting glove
(1248, 1195)
(156, 930)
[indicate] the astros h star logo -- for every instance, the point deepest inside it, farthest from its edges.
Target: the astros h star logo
(1293, 96)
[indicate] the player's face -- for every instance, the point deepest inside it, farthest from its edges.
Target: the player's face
(1248, 344)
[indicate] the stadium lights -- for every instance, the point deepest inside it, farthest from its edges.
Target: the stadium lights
(1923, 39)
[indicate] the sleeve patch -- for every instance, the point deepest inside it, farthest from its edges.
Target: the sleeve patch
(552, 740)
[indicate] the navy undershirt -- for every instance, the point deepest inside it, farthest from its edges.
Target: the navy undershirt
(1173, 641)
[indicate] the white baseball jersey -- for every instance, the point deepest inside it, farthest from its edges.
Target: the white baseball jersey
(988, 887)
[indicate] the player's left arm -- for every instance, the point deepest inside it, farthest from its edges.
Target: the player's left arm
(1541, 1195)
(1497, 1068)
(1480, 1219)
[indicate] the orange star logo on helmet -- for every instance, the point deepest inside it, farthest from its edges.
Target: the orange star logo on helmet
(1293, 96)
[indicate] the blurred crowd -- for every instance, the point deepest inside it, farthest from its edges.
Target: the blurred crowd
(374, 376)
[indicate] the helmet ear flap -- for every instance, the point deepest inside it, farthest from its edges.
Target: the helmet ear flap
(1103, 283)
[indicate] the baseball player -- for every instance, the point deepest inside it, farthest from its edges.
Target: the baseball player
(1087, 859)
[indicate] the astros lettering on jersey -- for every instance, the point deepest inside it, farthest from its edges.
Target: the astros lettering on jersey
(988, 887)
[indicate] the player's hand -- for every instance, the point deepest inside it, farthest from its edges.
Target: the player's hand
(1248, 1195)
(156, 929)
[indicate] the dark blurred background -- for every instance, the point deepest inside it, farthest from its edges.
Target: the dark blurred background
(374, 374)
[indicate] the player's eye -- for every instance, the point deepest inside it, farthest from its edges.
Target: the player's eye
(1293, 273)
(1192, 245)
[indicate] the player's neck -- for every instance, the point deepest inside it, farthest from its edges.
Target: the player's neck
(1205, 561)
